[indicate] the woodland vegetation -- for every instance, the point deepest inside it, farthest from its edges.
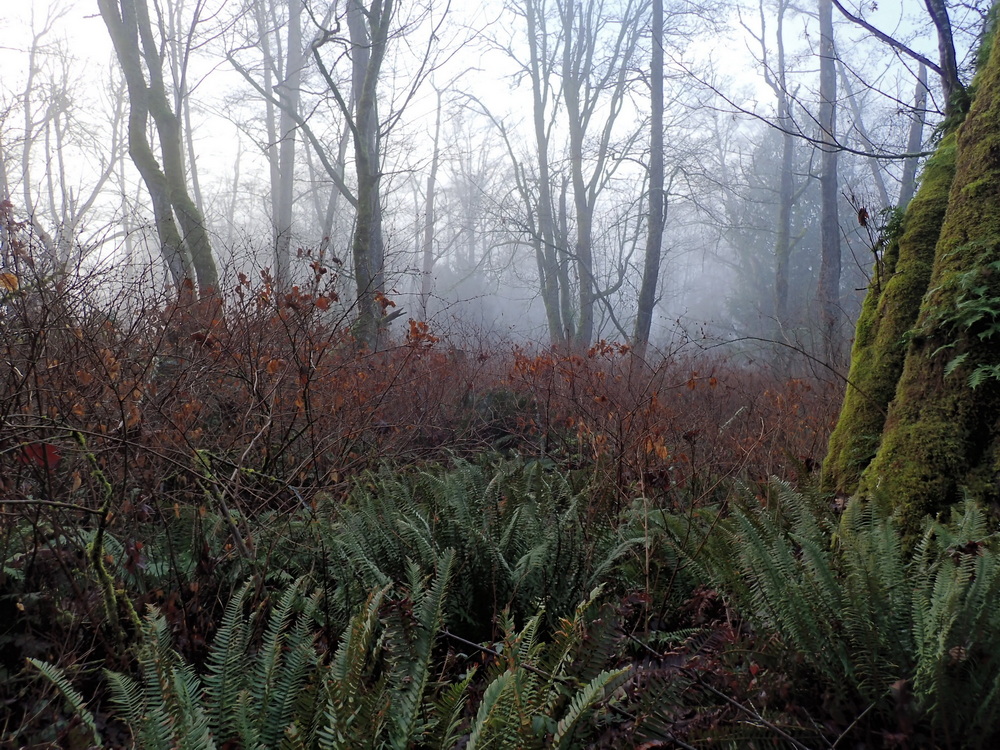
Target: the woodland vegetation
(242, 512)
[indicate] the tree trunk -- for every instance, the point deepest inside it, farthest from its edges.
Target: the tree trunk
(427, 252)
(192, 223)
(889, 311)
(942, 433)
(829, 271)
(866, 141)
(778, 82)
(654, 215)
(288, 93)
(546, 251)
(941, 436)
(189, 247)
(369, 28)
(956, 98)
(122, 28)
(572, 73)
(908, 184)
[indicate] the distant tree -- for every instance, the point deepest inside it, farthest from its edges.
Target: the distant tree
(372, 29)
(830, 260)
(283, 62)
(598, 55)
(427, 254)
(55, 133)
(578, 61)
(915, 139)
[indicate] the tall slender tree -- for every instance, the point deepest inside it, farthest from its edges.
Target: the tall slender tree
(655, 212)
(830, 260)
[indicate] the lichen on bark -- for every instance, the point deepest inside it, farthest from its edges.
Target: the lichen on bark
(890, 309)
(941, 435)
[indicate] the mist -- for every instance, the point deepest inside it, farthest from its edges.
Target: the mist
(504, 182)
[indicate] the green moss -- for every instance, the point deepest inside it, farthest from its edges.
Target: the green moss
(940, 434)
(888, 312)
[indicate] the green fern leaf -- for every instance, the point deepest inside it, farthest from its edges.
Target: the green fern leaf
(72, 696)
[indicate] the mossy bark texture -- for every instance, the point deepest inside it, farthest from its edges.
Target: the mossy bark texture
(890, 309)
(940, 436)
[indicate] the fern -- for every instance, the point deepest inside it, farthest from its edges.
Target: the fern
(72, 696)
(228, 667)
(281, 667)
(535, 697)
(517, 533)
(583, 702)
(844, 601)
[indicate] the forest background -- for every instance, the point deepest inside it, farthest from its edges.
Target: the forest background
(499, 216)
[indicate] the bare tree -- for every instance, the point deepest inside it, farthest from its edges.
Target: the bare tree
(543, 45)
(956, 97)
(830, 261)
(184, 239)
(371, 29)
(597, 57)
(427, 249)
(655, 214)
(54, 123)
(283, 62)
(908, 183)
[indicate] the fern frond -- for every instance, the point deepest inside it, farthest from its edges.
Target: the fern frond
(280, 669)
(412, 670)
(75, 701)
(489, 715)
(349, 699)
(445, 731)
(228, 667)
(582, 703)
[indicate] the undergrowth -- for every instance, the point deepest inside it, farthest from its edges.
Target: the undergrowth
(224, 525)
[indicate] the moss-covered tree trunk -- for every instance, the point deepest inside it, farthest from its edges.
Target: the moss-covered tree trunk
(890, 309)
(940, 434)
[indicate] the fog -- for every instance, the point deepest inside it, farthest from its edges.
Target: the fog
(512, 148)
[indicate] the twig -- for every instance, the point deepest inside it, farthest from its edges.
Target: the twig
(850, 726)
(497, 654)
(54, 504)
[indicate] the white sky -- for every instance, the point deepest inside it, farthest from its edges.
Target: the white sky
(218, 138)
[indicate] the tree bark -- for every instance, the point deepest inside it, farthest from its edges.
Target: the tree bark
(888, 312)
(927, 345)
(942, 433)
